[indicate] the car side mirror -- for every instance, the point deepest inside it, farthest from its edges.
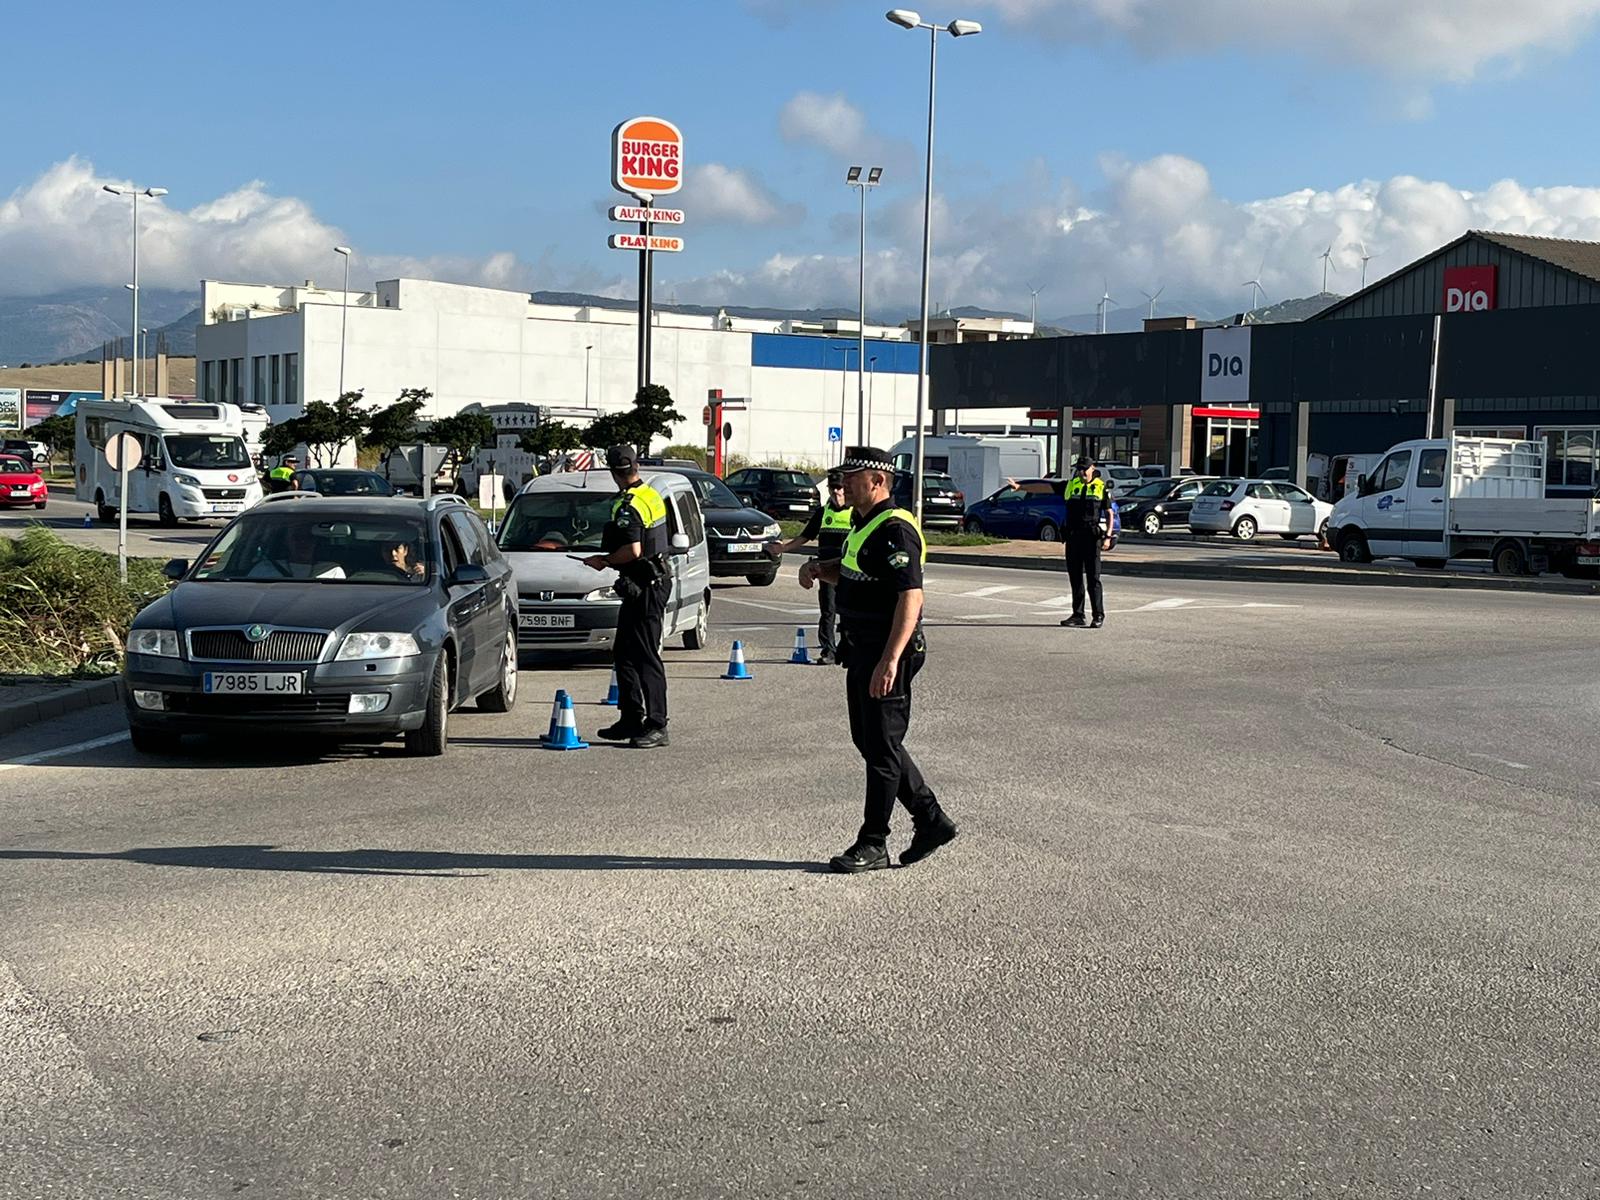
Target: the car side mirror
(679, 543)
(176, 568)
(469, 573)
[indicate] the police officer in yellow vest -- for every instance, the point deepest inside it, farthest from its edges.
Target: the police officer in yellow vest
(1088, 508)
(879, 577)
(281, 477)
(829, 525)
(634, 543)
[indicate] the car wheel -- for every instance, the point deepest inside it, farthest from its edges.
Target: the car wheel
(1152, 523)
(1245, 529)
(154, 741)
(164, 510)
(1048, 532)
(763, 579)
(103, 511)
(973, 525)
(1353, 547)
(696, 638)
(503, 696)
(1322, 533)
(431, 739)
(1509, 559)
(39, 503)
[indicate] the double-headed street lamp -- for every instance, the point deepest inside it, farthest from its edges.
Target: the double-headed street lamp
(344, 313)
(854, 179)
(135, 192)
(908, 19)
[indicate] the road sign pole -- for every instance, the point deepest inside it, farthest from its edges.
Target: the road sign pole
(122, 514)
(646, 283)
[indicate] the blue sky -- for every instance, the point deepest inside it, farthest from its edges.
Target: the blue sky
(1082, 143)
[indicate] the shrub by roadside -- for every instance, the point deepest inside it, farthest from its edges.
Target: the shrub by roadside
(62, 609)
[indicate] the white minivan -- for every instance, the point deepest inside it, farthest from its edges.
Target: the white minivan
(563, 605)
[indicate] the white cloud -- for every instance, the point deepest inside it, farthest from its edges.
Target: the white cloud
(715, 193)
(834, 124)
(63, 231)
(1434, 39)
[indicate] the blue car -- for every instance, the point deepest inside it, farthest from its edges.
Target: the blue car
(1017, 512)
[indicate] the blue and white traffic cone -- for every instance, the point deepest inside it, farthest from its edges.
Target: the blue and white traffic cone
(800, 656)
(736, 667)
(88, 522)
(613, 697)
(563, 733)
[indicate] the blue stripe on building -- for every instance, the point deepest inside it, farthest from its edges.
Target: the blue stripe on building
(830, 354)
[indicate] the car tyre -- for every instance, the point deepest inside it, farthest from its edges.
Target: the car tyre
(973, 525)
(39, 504)
(1151, 524)
(154, 741)
(169, 519)
(1245, 529)
(430, 740)
(503, 696)
(697, 637)
(1509, 559)
(1048, 532)
(1353, 547)
(763, 578)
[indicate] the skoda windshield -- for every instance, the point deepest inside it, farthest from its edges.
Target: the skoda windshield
(275, 547)
(207, 452)
(570, 519)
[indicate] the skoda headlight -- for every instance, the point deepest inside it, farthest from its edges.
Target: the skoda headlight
(772, 530)
(163, 643)
(186, 480)
(605, 593)
(376, 645)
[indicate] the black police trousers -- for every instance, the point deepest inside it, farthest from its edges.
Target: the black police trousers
(1083, 566)
(878, 729)
(827, 618)
(641, 676)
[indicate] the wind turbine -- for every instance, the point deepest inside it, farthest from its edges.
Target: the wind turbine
(1033, 311)
(1153, 297)
(1105, 304)
(1259, 291)
(1365, 259)
(1327, 261)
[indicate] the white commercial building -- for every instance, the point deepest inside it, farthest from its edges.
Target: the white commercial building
(280, 346)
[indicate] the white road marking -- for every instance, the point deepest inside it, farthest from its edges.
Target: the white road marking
(1055, 602)
(28, 760)
(1175, 602)
(989, 591)
(1504, 762)
(778, 608)
(981, 616)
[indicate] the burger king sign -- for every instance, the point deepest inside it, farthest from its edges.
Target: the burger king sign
(647, 157)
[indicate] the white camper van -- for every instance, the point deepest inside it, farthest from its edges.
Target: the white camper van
(979, 466)
(193, 464)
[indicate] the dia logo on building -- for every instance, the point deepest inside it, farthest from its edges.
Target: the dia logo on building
(1469, 289)
(1225, 366)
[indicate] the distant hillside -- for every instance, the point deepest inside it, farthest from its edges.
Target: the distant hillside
(73, 324)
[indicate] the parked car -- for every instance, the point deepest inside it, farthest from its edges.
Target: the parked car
(1017, 512)
(1120, 478)
(786, 495)
(1152, 471)
(942, 502)
(1246, 507)
(737, 536)
(301, 618)
(1161, 503)
(31, 452)
(342, 481)
(563, 605)
(21, 484)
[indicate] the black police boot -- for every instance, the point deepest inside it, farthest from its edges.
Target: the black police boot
(650, 739)
(929, 835)
(1075, 621)
(1097, 622)
(864, 855)
(622, 731)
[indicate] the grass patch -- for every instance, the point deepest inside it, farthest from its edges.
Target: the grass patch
(936, 537)
(62, 609)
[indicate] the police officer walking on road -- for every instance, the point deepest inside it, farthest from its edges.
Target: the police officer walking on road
(829, 525)
(1088, 506)
(634, 543)
(879, 578)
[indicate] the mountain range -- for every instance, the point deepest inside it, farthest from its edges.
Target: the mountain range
(72, 325)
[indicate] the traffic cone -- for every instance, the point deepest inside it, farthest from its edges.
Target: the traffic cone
(88, 523)
(563, 733)
(736, 667)
(613, 699)
(800, 656)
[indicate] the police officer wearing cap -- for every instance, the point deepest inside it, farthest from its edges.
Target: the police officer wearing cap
(634, 543)
(1088, 509)
(879, 578)
(829, 525)
(281, 477)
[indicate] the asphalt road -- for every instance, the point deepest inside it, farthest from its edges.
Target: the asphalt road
(1261, 891)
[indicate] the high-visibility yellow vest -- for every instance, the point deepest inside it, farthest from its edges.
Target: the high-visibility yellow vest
(849, 564)
(836, 520)
(652, 510)
(284, 473)
(1095, 489)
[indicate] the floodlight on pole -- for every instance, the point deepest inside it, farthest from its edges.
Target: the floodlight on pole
(910, 19)
(135, 191)
(853, 178)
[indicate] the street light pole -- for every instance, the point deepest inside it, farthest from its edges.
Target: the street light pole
(854, 179)
(586, 350)
(135, 192)
(872, 377)
(344, 310)
(908, 19)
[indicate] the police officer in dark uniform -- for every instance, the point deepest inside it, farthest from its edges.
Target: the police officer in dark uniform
(1087, 532)
(634, 543)
(879, 577)
(828, 525)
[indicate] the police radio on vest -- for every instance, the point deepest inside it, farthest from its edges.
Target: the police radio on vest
(1218, 365)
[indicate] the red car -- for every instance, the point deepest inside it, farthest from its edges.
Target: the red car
(21, 483)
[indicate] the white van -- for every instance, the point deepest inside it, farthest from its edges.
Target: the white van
(193, 465)
(979, 466)
(564, 605)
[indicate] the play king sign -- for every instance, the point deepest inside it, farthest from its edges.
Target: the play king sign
(1469, 289)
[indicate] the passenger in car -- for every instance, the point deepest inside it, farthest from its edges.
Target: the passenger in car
(402, 557)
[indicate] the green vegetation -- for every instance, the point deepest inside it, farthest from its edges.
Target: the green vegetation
(936, 537)
(63, 610)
